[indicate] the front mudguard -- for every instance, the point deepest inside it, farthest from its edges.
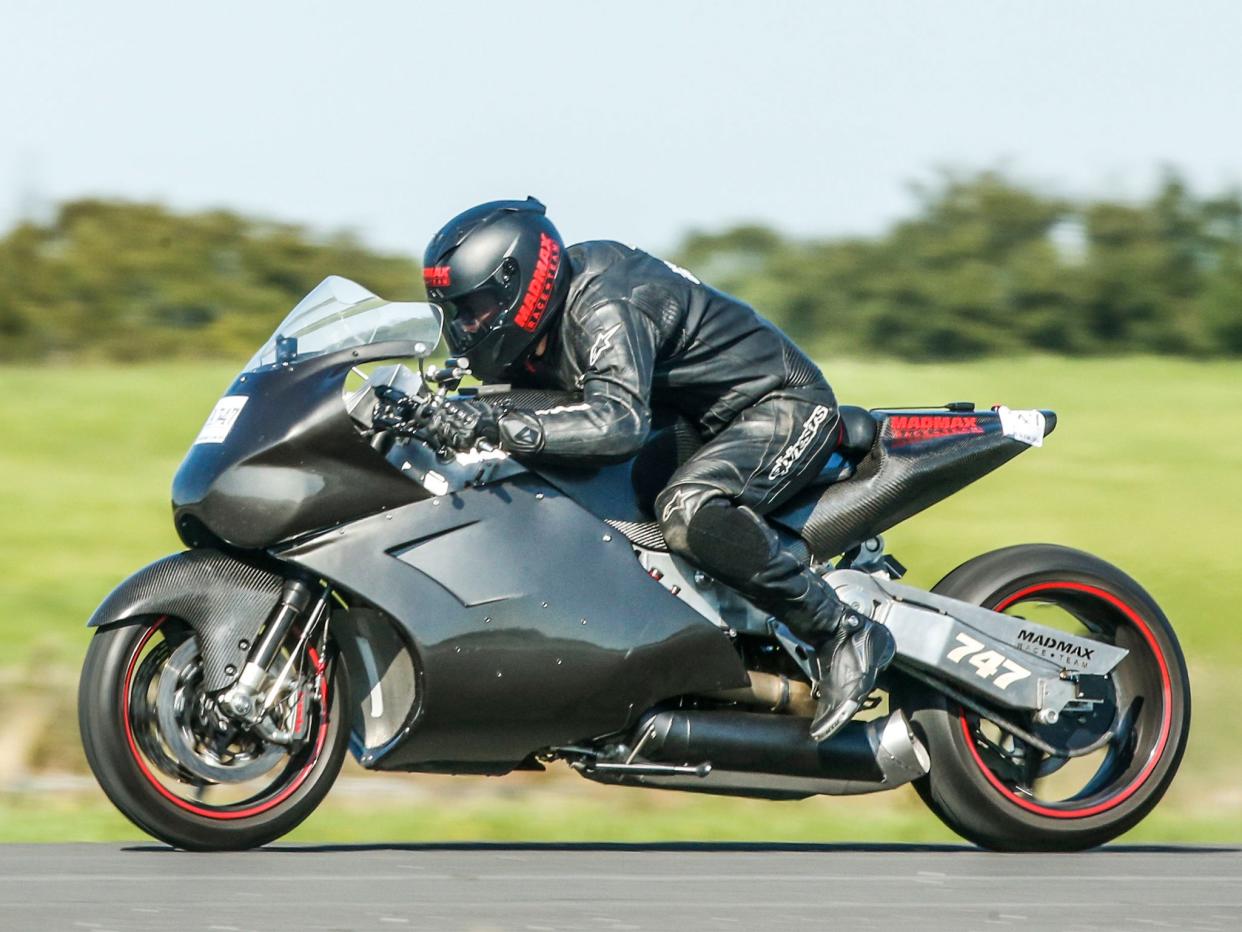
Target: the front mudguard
(223, 599)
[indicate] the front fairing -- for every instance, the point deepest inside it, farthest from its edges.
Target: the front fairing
(280, 454)
(291, 459)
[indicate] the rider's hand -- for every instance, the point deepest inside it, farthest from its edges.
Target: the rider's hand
(459, 424)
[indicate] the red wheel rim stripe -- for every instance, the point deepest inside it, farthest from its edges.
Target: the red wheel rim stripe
(1166, 691)
(199, 810)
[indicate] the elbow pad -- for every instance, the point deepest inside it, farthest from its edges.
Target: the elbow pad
(521, 432)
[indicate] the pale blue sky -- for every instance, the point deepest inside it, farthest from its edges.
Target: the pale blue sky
(631, 120)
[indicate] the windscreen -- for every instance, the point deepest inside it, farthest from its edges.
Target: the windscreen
(340, 314)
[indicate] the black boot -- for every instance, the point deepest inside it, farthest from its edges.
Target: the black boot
(850, 649)
(736, 545)
(848, 660)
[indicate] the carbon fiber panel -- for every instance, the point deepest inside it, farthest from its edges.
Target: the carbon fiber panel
(533, 398)
(919, 459)
(224, 600)
(646, 535)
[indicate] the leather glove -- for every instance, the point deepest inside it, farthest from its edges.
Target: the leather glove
(459, 424)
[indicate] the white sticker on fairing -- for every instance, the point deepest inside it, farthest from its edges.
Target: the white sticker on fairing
(435, 483)
(1026, 426)
(221, 420)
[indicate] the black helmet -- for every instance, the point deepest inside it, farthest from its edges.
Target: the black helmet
(500, 274)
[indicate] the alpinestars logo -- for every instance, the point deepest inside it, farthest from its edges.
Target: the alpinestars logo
(602, 343)
(680, 500)
(792, 453)
(535, 302)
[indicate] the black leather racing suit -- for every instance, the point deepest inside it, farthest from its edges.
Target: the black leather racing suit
(636, 330)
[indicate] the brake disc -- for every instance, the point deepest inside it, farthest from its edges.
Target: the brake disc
(179, 692)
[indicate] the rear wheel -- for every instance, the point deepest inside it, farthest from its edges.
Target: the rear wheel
(992, 787)
(183, 772)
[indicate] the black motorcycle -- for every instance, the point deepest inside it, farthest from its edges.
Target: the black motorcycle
(348, 585)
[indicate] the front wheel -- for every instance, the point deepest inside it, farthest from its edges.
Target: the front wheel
(993, 788)
(181, 771)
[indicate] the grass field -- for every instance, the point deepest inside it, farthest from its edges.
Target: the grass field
(1143, 470)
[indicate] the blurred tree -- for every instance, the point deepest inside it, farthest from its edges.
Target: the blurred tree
(983, 265)
(988, 266)
(129, 281)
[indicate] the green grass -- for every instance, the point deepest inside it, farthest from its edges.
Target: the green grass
(1143, 470)
(567, 809)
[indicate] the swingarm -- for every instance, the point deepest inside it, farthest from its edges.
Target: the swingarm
(1009, 661)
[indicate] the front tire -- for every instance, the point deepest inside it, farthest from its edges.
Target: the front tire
(130, 756)
(985, 784)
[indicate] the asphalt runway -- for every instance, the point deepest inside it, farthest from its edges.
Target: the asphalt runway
(615, 887)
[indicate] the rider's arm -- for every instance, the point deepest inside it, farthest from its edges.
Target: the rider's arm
(615, 345)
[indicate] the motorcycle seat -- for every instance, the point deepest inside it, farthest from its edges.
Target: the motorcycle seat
(858, 432)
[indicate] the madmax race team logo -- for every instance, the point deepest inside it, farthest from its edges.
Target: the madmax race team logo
(792, 453)
(437, 276)
(911, 428)
(1059, 649)
(542, 282)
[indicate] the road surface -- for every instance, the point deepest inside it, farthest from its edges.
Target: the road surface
(615, 887)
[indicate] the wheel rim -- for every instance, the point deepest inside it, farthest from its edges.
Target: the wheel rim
(156, 760)
(1141, 688)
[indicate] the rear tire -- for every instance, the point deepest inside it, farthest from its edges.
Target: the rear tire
(158, 804)
(973, 797)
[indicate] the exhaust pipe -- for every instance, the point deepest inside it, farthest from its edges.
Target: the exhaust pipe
(774, 692)
(771, 756)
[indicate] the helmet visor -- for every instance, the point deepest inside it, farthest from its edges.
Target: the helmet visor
(474, 315)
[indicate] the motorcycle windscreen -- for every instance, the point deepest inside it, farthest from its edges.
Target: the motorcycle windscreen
(340, 314)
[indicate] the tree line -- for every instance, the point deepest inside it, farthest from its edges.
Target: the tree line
(983, 265)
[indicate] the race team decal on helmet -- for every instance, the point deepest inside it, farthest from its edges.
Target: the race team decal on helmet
(794, 451)
(542, 282)
(438, 276)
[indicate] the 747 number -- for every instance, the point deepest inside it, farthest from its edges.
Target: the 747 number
(987, 663)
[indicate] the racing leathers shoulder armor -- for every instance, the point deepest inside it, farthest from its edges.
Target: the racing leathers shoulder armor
(636, 329)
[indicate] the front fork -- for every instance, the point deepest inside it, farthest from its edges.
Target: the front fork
(258, 688)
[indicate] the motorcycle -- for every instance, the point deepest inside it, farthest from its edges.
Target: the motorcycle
(347, 586)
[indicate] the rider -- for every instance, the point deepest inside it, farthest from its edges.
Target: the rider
(626, 329)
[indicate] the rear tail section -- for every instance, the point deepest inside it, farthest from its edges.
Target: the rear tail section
(918, 458)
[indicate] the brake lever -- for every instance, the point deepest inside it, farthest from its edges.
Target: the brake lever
(390, 394)
(398, 411)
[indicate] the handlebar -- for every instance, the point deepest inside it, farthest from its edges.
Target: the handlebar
(395, 410)
(411, 415)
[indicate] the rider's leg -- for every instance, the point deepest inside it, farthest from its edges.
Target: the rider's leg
(710, 513)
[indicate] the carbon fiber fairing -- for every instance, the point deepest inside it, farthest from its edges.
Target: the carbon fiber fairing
(645, 534)
(919, 458)
(224, 600)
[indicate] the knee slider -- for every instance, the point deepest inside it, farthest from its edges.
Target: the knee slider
(732, 543)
